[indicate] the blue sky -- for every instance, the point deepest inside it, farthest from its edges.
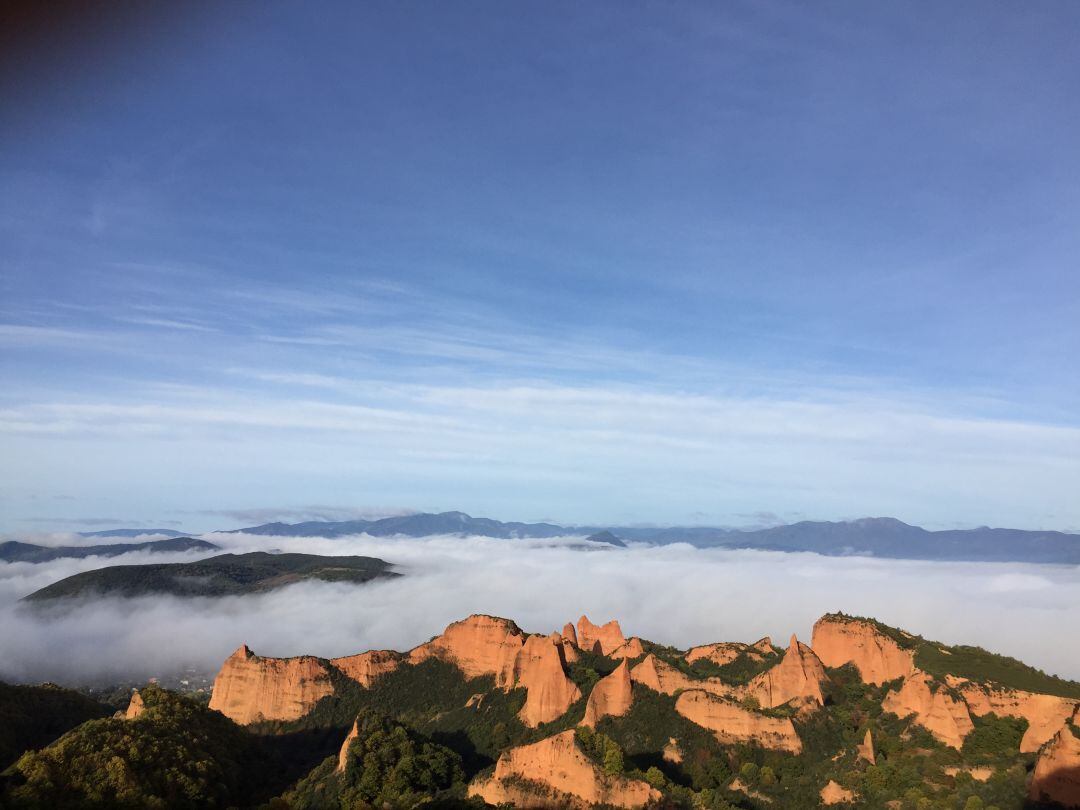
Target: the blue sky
(674, 263)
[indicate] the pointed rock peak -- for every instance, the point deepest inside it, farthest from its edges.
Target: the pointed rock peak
(569, 633)
(242, 653)
(764, 644)
(604, 638)
(866, 749)
(538, 667)
(135, 706)
(794, 643)
(343, 753)
(612, 696)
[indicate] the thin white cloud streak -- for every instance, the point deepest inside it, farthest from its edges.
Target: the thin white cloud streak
(672, 594)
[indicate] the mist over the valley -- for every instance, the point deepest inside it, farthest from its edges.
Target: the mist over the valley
(673, 594)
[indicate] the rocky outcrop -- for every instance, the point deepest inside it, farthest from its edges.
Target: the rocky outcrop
(604, 639)
(662, 677)
(250, 688)
(865, 750)
(1045, 714)
(343, 752)
(555, 773)
(631, 649)
(672, 752)
(799, 676)
(567, 648)
(569, 633)
(478, 645)
(932, 706)
(611, 696)
(839, 640)
(366, 667)
(833, 793)
(538, 667)
(1057, 770)
(764, 646)
(135, 706)
(721, 653)
(731, 723)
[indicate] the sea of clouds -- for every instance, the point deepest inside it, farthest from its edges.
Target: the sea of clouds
(673, 594)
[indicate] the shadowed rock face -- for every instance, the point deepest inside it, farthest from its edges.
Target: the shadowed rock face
(933, 707)
(612, 696)
(478, 645)
(250, 688)
(604, 639)
(799, 676)
(731, 723)
(1045, 713)
(1057, 770)
(878, 658)
(554, 773)
(538, 667)
(366, 667)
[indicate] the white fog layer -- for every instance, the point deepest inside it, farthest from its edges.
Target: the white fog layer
(671, 594)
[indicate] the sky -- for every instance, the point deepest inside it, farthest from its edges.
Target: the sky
(596, 263)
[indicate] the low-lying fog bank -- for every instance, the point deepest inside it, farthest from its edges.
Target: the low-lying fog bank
(673, 594)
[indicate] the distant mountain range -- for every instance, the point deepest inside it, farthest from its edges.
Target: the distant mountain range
(132, 533)
(224, 575)
(14, 551)
(879, 537)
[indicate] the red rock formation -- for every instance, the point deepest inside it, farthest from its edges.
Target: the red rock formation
(343, 752)
(764, 645)
(611, 696)
(563, 777)
(723, 652)
(250, 688)
(798, 676)
(833, 793)
(478, 645)
(838, 641)
(135, 706)
(538, 667)
(731, 723)
(866, 749)
(1057, 770)
(631, 649)
(933, 707)
(1044, 713)
(366, 667)
(569, 633)
(603, 639)
(568, 649)
(662, 677)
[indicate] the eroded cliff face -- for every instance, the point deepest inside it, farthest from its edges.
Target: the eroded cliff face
(838, 641)
(1045, 713)
(731, 723)
(554, 773)
(569, 633)
(611, 696)
(366, 667)
(250, 688)
(1056, 777)
(631, 649)
(604, 639)
(662, 677)
(723, 652)
(933, 707)
(538, 667)
(799, 676)
(478, 645)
